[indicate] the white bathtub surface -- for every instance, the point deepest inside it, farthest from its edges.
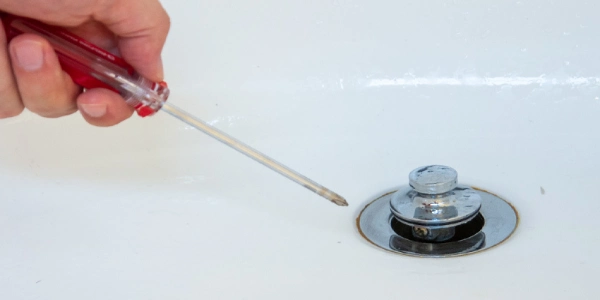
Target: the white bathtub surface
(352, 93)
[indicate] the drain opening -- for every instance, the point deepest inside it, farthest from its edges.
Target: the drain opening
(461, 232)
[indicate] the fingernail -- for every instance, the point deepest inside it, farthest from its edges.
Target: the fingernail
(93, 110)
(30, 55)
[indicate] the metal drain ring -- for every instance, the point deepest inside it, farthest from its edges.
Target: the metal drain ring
(501, 220)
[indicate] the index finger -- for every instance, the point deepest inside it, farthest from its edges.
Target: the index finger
(142, 27)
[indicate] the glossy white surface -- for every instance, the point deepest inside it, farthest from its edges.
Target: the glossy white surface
(352, 93)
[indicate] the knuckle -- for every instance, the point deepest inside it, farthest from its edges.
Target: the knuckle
(50, 109)
(6, 113)
(54, 113)
(39, 108)
(10, 103)
(50, 103)
(58, 114)
(167, 21)
(161, 23)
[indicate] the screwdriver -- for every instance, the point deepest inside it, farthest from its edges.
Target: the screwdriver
(92, 67)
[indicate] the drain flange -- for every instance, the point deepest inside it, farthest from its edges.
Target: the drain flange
(436, 217)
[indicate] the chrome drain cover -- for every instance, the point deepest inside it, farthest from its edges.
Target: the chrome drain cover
(491, 222)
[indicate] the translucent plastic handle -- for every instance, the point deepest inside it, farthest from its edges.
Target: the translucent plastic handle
(92, 67)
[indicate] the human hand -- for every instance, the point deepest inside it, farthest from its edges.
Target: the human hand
(30, 73)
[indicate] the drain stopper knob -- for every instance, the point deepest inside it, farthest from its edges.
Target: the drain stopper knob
(433, 180)
(435, 204)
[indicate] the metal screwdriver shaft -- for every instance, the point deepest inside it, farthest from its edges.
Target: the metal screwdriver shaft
(254, 154)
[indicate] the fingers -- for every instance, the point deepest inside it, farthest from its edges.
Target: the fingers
(43, 87)
(142, 27)
(48, 91)
(10, 102)
(103, 108)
